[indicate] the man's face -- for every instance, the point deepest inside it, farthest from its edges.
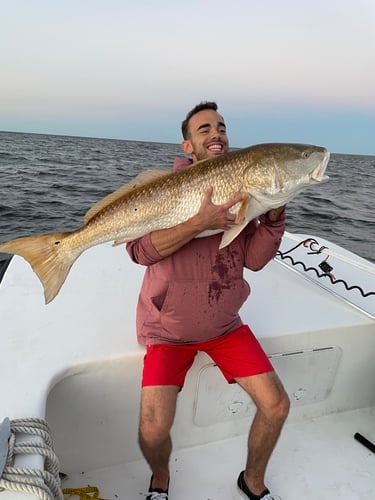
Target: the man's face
(207, 135)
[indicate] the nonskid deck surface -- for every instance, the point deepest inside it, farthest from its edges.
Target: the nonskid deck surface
(316, 459)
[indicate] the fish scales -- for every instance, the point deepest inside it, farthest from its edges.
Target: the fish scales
(165, 202)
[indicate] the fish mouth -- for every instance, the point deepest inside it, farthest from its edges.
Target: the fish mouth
(318, 173)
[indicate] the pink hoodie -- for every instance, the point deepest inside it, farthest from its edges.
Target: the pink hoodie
(194, 295)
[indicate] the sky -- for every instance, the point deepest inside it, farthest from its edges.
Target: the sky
(285, 71)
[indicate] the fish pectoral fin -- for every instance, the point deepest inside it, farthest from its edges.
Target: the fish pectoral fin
(242, 219)
(230, 234)
(243, 209)
(142, 178)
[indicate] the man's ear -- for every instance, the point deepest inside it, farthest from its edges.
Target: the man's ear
(187, 147)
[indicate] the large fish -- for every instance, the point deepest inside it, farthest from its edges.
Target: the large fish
(269, 175)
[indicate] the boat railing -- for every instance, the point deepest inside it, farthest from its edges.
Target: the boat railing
(338, 271)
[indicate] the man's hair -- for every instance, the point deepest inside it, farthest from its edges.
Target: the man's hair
(199, 107)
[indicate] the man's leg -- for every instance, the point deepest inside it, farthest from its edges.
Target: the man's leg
(158, 408)
(272, 404)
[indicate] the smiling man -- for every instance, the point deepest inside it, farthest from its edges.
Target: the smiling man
(178, 315)
(204, 132)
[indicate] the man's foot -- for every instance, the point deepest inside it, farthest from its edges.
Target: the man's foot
(156, 493)
(248, 495)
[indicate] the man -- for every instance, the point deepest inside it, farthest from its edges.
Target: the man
(189, 302)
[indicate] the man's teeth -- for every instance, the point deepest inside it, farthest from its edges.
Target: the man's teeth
(215, 147)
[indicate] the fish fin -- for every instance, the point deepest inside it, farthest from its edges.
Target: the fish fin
(142, 178)
(149, 175)
(243, 208)
(230, 234)
(241, 221)
(116, 243)
(48, 258)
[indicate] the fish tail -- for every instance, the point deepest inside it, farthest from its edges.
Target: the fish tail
(49, 258)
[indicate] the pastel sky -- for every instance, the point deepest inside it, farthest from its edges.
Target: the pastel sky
(288, 71)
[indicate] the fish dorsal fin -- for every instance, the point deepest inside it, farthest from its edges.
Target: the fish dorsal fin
(142, 178)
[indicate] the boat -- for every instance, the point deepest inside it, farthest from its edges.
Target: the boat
(70, 377)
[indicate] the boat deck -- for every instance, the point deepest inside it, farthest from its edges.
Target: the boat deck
(86, 370)
(315, 459)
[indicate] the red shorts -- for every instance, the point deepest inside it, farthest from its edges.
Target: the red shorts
(237, 354)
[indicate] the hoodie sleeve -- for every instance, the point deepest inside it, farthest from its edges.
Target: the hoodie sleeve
(142, 251)
(263, 241)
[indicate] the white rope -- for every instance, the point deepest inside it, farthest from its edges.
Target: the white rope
(318, 248)
(44, 484)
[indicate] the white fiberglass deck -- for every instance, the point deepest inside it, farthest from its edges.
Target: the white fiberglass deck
(315, 459)
(77, 363)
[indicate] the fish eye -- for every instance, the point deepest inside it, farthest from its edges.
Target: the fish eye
(305, 154)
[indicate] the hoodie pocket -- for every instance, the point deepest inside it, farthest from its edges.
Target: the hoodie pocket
(196, 311)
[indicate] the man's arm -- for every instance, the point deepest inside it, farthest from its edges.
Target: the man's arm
(264, 242)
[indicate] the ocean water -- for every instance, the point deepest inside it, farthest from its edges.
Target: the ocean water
(47, 183)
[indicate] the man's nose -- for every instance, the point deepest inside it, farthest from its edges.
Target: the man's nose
(215, 133)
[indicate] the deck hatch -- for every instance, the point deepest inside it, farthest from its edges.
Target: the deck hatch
(308, 376)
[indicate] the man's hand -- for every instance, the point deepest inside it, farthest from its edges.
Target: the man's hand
(211, 216)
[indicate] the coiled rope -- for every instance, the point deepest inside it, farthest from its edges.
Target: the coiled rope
(44, 484)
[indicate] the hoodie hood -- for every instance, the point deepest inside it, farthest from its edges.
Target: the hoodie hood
(181, 162)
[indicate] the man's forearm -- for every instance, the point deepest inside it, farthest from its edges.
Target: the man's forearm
(168, 241)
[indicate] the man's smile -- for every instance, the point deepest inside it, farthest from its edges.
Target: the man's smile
(216, 147)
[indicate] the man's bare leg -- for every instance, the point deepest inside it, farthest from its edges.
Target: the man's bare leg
(272, 403)
(158, 408)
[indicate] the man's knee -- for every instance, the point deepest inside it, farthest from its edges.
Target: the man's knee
(278, 409)
(283, 405)
(268, 394)
(154, 431)
(158, 406)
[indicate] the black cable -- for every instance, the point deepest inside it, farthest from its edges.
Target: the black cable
(324, 265)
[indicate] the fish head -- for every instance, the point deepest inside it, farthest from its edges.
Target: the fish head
(302, 164)
(279, 171)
